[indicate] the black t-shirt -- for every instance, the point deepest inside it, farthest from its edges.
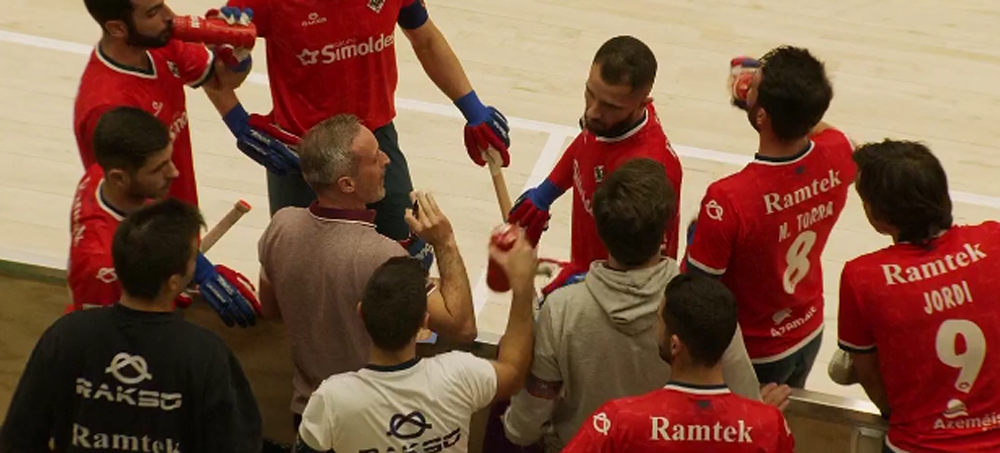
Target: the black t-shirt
(117, 379)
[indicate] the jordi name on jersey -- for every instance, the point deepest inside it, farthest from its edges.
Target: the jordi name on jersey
(894, 272)
(663, 430)
(775, 202)
(83, 438)
(345, 50)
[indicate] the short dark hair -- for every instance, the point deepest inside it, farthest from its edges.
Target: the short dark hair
(126, 136)
(153, 244)
(107, 10)
(701, 311)
(626, 60)
(906, 186)
(632, 208)
(794, 91)
(395, 302)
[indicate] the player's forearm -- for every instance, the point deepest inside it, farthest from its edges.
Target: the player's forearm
(439, 61)
(268, 300)
(223, 100)
(518, 339)
(870, 378)
(457, 293)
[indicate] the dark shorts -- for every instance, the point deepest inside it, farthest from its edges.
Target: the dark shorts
(292, 190)
(792, 370)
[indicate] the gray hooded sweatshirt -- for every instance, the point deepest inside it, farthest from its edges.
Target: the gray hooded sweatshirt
(596, 341)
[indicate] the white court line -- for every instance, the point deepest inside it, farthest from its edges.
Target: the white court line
(450, 111)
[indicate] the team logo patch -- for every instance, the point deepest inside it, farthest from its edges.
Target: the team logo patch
(408, 426)
(313, 19)
(173, 69)
(376, 5)
(713, 210)
(599, 174)
(139, 369)
(106, 274)
(956, 408)
(602, 423)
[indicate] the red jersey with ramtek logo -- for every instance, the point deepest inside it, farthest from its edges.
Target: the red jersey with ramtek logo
(160, 91)
(933, 314)
(684, 419)
(590, 159)
(91, 270)
(325, 58)
(763, 230)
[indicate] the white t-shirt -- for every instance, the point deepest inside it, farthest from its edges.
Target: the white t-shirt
(421, 405)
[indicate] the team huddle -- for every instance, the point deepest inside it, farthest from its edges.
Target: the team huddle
(633, 347)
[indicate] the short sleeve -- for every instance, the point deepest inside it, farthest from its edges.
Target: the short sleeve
(412, 15)
(786, 443)
(262, 14)
(548, 332)
(194, 62)
(600, 433)
(562, 174)
(715, 233)
(85, 133)
(317, 428)
(853, 331)
(92, 277)
(475, 378)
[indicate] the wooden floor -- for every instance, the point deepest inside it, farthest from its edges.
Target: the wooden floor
(915, 69)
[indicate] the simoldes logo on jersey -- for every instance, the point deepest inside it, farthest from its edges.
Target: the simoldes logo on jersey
(731, 434)
(129, 370)
(896, 274)
(345, 50)
(776, 202)
(179, 122)
(84, 438)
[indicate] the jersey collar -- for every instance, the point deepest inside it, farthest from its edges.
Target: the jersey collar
(627, 134)
(118, 67)
(397, 367)
(364, 216)
(775, 161)
(99, 195)
(695, 389)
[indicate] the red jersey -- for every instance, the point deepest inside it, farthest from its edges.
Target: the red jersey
(590, 159)
(91, 271)
(933, 314)
(684, 419)
(160, 91)
(325, 58)
(763, 230)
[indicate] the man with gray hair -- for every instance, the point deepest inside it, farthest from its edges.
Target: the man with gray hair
(316, 261)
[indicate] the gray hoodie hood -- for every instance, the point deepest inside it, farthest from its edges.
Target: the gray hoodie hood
(630, 298)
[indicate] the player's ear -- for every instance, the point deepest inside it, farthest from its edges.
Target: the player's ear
(359, 309)
(675, 345)
(116, 28)
(117, 176)
(346, 184)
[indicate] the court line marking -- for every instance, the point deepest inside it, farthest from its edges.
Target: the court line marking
(450, 111)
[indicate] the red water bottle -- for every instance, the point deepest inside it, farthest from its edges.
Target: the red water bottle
(503, 237)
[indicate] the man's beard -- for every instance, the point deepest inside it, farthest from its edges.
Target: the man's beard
(136, 39)
(611, 131)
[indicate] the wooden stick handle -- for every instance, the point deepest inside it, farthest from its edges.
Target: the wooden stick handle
(499, 184)
(241, 207)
